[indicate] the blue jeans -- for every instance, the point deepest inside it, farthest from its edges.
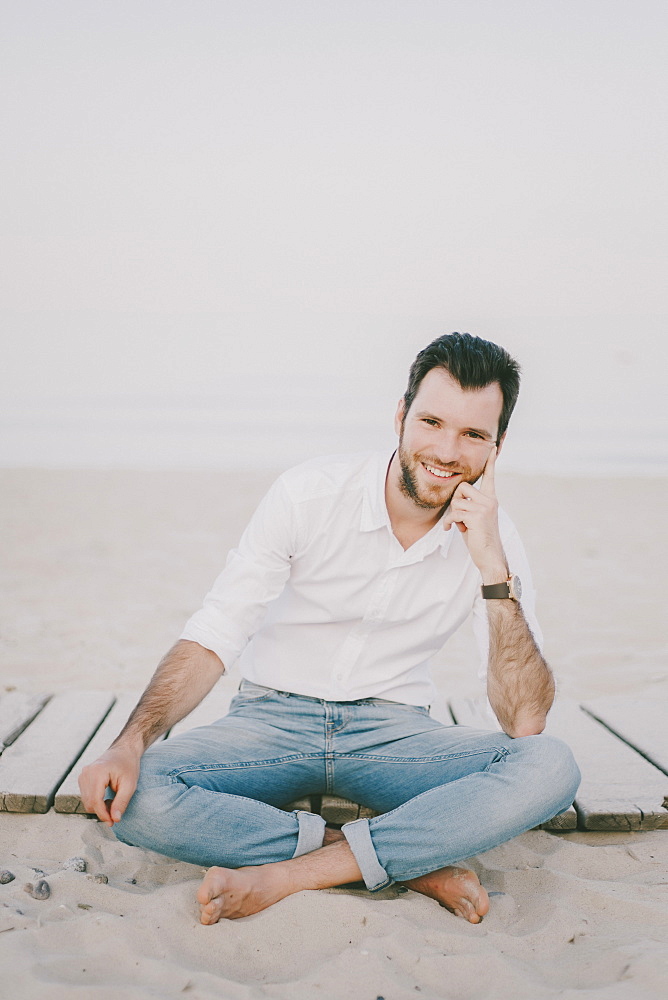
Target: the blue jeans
(213, 796)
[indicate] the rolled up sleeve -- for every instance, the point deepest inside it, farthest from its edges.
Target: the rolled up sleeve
(255, 573)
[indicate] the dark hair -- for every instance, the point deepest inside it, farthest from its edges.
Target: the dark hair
(472, 362)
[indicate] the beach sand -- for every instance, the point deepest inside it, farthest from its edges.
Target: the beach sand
(101, 570)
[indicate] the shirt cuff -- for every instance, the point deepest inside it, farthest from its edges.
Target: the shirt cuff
(226, 653)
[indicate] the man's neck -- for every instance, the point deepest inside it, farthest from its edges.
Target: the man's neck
(408, 520)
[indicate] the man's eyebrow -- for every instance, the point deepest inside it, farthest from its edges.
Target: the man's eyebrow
(425, 414)
(482, 433)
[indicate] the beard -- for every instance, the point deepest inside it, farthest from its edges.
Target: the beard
(431, 496)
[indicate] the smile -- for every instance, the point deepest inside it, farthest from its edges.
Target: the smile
(439, 473)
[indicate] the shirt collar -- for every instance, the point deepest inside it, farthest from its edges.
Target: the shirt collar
(374, 510)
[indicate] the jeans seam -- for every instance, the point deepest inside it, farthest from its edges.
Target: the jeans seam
(422, 760)
(243, 764)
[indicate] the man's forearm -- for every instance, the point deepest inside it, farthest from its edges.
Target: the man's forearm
(183, 677)
(520, 685)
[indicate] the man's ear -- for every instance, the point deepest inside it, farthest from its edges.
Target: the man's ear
(500, 444)
(399, 416)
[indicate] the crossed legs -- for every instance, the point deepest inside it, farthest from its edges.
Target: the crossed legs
(231, 893)
(212, 797)
(418, 842)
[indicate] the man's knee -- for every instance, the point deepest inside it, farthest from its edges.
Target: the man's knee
(556, 769)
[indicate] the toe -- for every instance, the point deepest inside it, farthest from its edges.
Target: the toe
(210, 914)
(468, 911)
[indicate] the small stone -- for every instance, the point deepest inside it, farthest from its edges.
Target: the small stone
(6, 876)
(131, 881)
(100, 877)
(76, 864)
(41, 889)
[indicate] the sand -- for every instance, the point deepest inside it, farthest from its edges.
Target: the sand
(99, 572)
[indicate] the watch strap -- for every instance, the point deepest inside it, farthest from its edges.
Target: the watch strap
(496, 591)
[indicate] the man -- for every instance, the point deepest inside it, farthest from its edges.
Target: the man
(349, 577)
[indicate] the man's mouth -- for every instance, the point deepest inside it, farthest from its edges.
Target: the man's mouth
(439, 473)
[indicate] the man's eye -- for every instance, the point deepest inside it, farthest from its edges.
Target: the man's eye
(478, 437)
(432, 423)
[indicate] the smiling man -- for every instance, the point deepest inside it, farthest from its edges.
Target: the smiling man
(353, 572)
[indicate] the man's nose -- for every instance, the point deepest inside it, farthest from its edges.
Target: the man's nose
(448, 447)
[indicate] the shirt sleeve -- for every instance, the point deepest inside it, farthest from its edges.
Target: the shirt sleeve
(255, 573)
(518, 564)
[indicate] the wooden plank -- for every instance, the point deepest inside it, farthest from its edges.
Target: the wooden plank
(620, 790)
(474, 712)
(337, 810)
(34, 766)
(478, 713)
(68, 799)
(17, 710)
(210, 709)
(304, 804)
(640, 722)
(440, 710)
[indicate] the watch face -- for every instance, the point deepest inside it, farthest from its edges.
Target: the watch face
(516, 587)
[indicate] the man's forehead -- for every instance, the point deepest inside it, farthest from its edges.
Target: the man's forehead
(440, 392)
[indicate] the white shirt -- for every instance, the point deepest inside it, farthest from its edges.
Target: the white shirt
(321, 599)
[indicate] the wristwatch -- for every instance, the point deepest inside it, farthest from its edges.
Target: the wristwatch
(511, 588)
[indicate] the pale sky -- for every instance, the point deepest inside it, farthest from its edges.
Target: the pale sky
(272, 206)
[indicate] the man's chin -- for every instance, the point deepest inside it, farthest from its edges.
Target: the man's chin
(436, 499)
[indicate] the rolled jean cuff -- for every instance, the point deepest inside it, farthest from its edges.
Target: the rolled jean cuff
(311, 832)
(358, 835)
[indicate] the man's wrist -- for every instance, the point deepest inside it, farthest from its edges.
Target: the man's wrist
(130, 742)
(496, 573)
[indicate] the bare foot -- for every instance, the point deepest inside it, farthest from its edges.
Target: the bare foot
(457, 889)
(238, 892)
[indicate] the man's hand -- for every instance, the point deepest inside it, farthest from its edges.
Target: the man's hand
(184, 676)
(476, 514)
(117, 768)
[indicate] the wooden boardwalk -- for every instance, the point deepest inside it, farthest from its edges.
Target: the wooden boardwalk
(620, 743)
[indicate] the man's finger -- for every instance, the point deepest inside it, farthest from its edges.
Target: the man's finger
(487, 481)
(124, 792)
(95, 802)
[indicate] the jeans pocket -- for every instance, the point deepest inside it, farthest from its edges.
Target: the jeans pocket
(249, 691)
(398, 705)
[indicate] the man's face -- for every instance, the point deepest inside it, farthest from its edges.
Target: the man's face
(446, 437)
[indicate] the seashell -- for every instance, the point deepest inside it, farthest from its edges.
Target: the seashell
(100, 877)
(6, 876)
(76, 864)
(41, 889)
